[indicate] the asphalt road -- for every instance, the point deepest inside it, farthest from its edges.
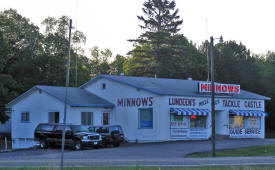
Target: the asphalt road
(150, 154)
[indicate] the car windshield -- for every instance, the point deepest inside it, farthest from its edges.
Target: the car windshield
(80, 128)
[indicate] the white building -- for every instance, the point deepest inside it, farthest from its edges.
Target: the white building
(148, 109)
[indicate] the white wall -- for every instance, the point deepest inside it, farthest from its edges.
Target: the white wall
(39, 105)
(127, 117)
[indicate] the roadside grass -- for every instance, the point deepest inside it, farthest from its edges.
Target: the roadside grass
(269, 134)
(152, 168)
(265, 150)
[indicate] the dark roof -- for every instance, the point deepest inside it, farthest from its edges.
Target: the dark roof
(170, 87)
(76, 97)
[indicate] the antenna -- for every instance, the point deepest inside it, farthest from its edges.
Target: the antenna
(206, 50)
(76, 48)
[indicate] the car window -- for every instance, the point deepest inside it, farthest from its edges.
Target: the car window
(45, 127)
(59, 128)
(80, 128)
(105, 130)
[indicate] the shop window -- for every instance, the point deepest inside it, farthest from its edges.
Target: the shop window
(25, 116)
(252, 122)
(179, 121)
(86, 118)
(53, 117)
(105, 119)
(236, 121)
(146, 118)
(197, 121)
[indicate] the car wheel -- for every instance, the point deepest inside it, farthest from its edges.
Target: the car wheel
(116, 144)
(43, 144)
(77, 145)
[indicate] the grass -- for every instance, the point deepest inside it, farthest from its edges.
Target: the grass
(266, 150)
(154, 168)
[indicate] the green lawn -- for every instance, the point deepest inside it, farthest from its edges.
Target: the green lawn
(155, 168)
(266, 150)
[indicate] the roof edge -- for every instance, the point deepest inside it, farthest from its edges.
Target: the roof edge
(121, 82)
(22, 96)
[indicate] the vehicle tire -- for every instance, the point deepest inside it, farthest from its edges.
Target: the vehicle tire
(77, 145)
(43, 144)
(52, 145)
(116, 144)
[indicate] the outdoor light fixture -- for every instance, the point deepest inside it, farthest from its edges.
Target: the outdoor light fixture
(213, 94)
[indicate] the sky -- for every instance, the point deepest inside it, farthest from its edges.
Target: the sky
(110, 23)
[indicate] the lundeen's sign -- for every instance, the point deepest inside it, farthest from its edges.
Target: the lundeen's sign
(220, 88)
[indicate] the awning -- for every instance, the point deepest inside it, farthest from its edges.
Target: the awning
(190, 111)
(248, 112)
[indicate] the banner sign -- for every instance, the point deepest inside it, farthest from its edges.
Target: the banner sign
(220, 88)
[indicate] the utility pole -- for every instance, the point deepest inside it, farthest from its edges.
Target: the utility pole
(212, 98)
(66, 95)
(213, 94)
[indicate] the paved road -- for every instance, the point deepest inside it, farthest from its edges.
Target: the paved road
(169, 153)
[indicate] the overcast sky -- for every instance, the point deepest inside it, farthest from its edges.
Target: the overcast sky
(110, 23)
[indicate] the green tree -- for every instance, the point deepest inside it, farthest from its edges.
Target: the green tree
(160, 21)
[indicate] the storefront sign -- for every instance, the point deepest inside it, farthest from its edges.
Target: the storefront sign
(179, 133)
(231, 103)
(219, 88)
(135, 102)
(181, 102)
(179, 121)
(244, 132)
(188, 133)
(252, 104)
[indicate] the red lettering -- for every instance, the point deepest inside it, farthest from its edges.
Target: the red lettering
(150, 101)
(133, 103)
(128, 102)
(119, 102)
(224, 88)
(230, 88)
(138, 101)
(144, 101)
(237, 89)
(204, 87)
(218, 88)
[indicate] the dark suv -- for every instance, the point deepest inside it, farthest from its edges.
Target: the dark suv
(111, 134)
(77, 136)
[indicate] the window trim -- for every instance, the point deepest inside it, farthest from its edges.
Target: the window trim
(60, 119)
(25, 121)
(92, 117)
(139, 127)
(109, 117)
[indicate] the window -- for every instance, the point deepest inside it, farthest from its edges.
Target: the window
(105, 119)
(197, 121)
(179, 121)
(53, 117)
(86, 118)
(236, 121)
(146, 118)
(252, 122)
(103, 86)
(25, 116)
